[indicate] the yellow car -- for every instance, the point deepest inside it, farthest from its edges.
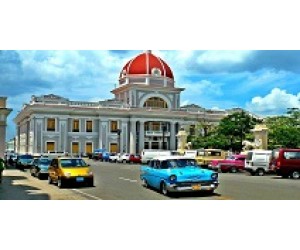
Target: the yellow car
(205, 156)
(65, 170)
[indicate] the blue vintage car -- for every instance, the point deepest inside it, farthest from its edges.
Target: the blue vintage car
(177, 174)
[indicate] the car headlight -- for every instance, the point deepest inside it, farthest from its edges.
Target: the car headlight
(90, 173)
(214, 176)
(173, 178)
(67, 174)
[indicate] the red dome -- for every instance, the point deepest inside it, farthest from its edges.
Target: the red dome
(147, 64)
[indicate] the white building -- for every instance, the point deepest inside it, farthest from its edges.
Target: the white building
(4, 112)
(145, 113)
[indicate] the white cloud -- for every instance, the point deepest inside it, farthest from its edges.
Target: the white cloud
(276, 102)
(203, 87)
(221, 56)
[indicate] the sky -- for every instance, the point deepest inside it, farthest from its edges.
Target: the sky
(265, 82)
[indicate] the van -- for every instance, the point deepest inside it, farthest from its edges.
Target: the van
(257, 162)
(204, 157)
(149, 154)
(286, 162)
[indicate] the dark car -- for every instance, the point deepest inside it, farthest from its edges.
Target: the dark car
(285, 162)
(135, 159)
(40, 167)
(24, 162)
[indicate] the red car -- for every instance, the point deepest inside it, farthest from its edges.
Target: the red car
(135, 159)
(233, 164)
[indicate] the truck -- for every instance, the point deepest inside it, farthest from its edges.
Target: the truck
(258, 161)
(149, 154)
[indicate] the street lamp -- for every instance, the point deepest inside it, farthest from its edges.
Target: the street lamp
(119, 131)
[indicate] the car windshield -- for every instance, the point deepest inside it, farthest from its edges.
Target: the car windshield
(230, 158)
(44, 161)
(178, 163)
(72, 163)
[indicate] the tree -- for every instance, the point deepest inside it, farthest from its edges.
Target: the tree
(284, 131)
(236, 128)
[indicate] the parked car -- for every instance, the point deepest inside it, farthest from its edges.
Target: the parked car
(233, 164)
(286, 162)
(24, 161)
(113, 157)
(124, 158)
(171, 174)
(135, 158)
(105, 156)
(205, 156)
(258, 161)
(97, 154)
(64, 170)
(40, 167)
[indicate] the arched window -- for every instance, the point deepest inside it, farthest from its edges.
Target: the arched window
(155, 102)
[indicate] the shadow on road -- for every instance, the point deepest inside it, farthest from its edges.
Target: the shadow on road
(180, 195)
(13, 188)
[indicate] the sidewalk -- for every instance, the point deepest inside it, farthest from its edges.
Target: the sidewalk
(19, 185)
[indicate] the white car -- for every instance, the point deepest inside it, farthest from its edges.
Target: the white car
(124, 158)
(113, 157)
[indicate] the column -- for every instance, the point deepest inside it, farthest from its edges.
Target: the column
(100, 134)
(142, 135)
(172, 136)
(63, 130)
(132, 136)
(103, 134)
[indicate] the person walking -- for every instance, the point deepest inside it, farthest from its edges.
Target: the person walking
(2, 167)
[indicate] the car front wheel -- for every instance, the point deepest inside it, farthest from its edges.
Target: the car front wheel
(49, 179)
(233, 170)
(164, 189)
(260, 172)
(60, 183)
(144, 183)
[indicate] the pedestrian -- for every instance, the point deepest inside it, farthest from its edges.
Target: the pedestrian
(2, 167)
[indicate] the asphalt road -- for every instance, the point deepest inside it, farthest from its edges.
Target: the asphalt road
(121, 182)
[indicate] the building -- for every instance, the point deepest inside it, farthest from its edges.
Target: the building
(4, 112)
(145, 113)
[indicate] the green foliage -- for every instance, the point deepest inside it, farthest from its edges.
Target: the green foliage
(229, 134)
(284, 131)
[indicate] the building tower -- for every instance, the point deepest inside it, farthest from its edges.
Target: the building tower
(4, 112)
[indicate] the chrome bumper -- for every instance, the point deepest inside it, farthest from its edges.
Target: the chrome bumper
(192, 187)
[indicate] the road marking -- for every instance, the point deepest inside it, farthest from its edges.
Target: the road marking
(88, 195)
(124, 179)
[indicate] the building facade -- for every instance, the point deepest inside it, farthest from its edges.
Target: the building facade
(4, 112)
(145, 113)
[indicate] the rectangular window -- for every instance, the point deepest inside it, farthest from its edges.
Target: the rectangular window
(113, 126)
(291, 155)
(89, 148)
(50, 146)
(75, 148)
(114, 148)
(75, 125)
(89, 126)
(156, 126)
(51, 124)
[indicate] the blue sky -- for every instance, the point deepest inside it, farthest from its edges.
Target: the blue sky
(265, 82)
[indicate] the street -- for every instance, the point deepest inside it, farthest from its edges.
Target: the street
(118, 181)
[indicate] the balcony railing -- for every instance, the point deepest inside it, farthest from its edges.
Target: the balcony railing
(156, 133)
